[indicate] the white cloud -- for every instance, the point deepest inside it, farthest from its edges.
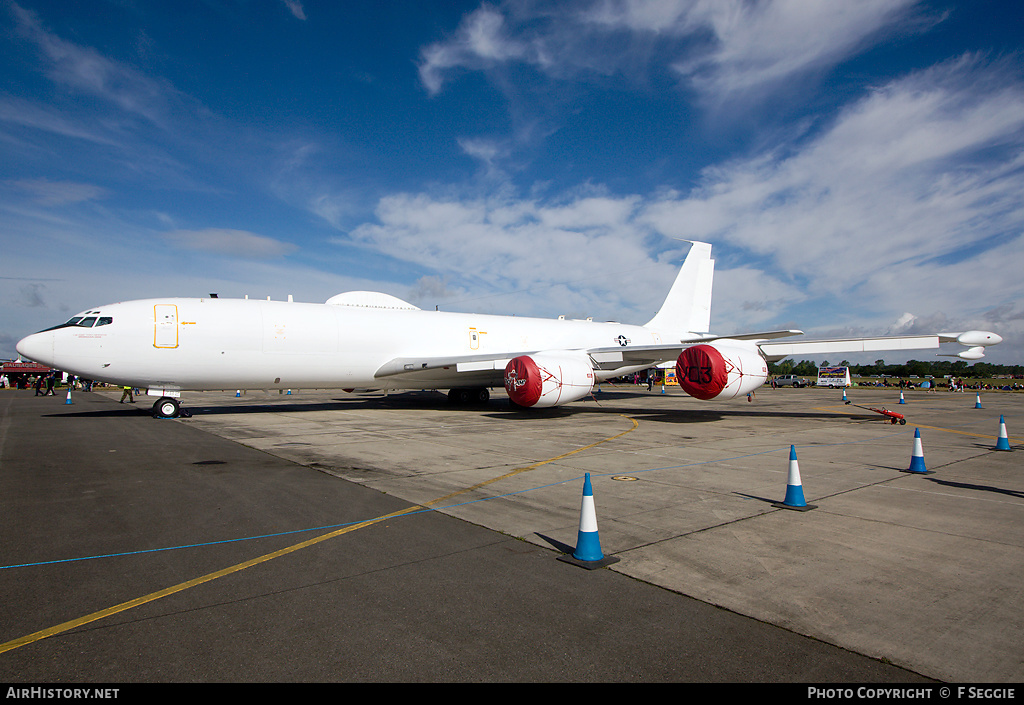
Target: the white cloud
(87, 71)
(723, 48)
(54, 193)
(894, 207)
(587, 242)
(905, 175)
(225, 241)
(480, 41)
(758, 45)
(295, 7)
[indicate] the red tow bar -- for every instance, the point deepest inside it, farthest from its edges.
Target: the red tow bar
(894, 418)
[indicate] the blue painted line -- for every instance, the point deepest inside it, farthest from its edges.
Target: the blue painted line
(425, 509)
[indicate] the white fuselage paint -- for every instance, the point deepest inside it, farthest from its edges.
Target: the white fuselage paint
(197, 344)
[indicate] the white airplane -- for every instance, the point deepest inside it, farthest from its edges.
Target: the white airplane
(372, 340)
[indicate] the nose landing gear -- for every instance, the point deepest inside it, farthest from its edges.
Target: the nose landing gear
(168, 408)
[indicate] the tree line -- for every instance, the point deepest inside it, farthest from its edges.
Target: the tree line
(911, 368)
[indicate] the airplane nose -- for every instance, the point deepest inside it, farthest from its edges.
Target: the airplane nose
(37, 347)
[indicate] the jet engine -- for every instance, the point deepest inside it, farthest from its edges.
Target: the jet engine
(720, 371)
(548, 378)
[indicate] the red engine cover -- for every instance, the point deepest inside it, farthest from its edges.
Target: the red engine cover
(702, 372)
(523, 381)
(548, 378)
(721, 370)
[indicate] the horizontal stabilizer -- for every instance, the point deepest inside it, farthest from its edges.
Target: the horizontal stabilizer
(767, 335)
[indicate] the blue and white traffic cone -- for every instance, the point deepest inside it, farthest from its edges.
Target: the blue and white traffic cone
(1004, 442)
(977, 401)
(794, 488)
(844, 394)
(588, 543)
(901, 399)
(68, 400)
(238, 392)
(917, 456)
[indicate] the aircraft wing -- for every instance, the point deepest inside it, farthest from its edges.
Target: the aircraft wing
(975, 340)
(446, 372)
(610, 358)
(488, 370)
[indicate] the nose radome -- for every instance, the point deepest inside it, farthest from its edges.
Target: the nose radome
(37, 347)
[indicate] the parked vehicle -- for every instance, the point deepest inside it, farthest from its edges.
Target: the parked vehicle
(834, 376)
(790, 381)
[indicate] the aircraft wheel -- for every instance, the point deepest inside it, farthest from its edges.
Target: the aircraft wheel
(166, 408)
(903, 422)
(469, 395)
(459, 397)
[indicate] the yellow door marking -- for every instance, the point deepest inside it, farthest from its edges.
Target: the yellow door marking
(167, 592)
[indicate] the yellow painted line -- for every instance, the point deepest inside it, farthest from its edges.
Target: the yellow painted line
(965, 433)
(518, 471)
(167, 592)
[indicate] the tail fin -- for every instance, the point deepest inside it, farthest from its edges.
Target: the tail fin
(687, 308)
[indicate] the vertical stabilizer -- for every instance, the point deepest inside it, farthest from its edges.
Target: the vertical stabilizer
(687, 308)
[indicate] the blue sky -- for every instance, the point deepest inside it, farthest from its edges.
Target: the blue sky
(858, 167)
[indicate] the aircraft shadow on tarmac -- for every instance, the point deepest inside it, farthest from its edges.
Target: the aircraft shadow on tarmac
(103, 413)
(604, 402)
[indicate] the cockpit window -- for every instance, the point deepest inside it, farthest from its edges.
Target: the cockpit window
(83, 322)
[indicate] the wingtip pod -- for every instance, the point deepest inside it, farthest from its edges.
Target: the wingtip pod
(978, 337)
(976, 340)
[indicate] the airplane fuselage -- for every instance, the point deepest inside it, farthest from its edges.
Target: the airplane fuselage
(212, 343)
(373, 340)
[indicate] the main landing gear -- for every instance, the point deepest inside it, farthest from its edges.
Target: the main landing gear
(464, 396)
(168, 408)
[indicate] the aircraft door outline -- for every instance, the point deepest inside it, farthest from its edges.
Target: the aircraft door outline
(165, 326)
(474, 338)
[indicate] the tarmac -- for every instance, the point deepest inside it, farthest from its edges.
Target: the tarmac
(443, 525)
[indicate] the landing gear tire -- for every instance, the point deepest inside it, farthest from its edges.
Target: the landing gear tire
(465, 396)
(166, 408)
